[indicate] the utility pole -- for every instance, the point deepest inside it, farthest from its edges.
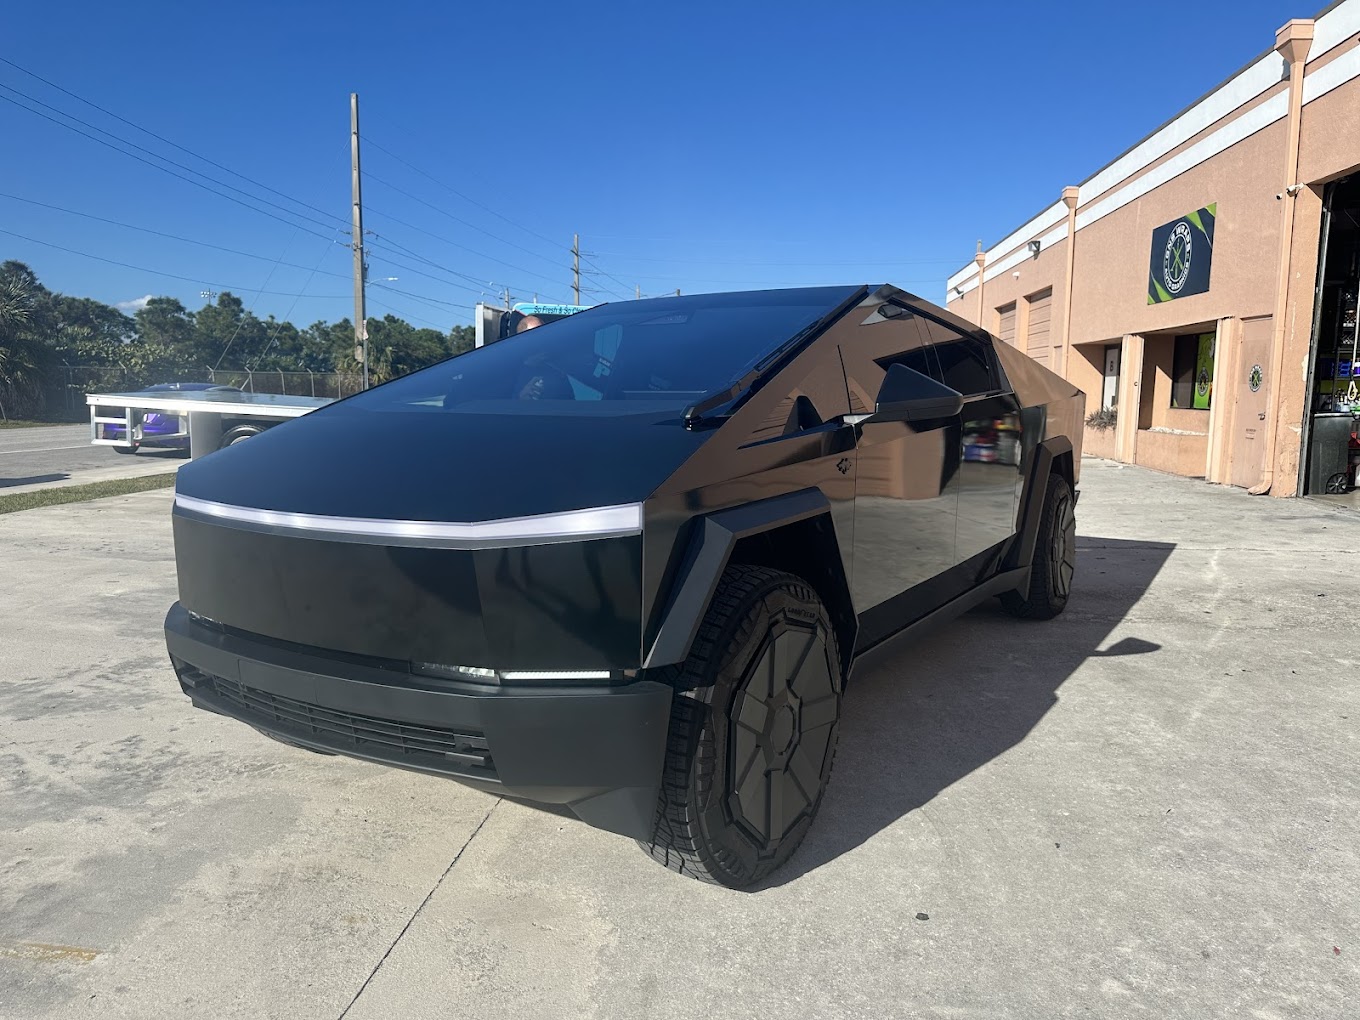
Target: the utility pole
(576, 267)
(360, 326)
(507, 299)
(637, 292)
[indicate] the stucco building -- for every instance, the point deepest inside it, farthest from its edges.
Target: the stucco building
(1203, 284)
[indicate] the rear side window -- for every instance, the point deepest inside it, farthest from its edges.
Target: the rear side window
(966, 365)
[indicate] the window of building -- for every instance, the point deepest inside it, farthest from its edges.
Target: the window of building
(1192, 372)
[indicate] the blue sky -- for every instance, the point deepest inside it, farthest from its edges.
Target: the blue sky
(700, 146)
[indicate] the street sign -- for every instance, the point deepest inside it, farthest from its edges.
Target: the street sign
(533, 308)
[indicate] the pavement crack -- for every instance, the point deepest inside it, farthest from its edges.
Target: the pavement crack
(411, 920)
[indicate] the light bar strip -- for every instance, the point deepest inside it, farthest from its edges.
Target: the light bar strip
(593, 522)
(561, 674)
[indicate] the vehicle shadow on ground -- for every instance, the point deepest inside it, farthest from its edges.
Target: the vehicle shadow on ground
(9, 483)
(919, 716)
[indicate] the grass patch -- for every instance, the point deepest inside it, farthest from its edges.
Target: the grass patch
(80, 493)
(14, 423)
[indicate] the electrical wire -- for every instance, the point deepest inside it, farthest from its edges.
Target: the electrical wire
(167, 141)
(161, 233)
(157, 166)
(157, 272)
(472, 226)
(421, 230)
(153, 154)
(288, 315)
(450, 188)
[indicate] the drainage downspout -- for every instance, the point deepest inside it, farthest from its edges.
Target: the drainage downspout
(981, 259)
(1069, 197)
(1291, 42)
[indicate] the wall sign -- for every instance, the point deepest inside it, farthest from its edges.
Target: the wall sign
(1255, 378)
(1182, 255)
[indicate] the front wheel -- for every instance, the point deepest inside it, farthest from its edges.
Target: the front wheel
(753, 731)
(1055, 557)
(125, 450)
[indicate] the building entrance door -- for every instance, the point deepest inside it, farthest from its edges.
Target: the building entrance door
(1252, 389)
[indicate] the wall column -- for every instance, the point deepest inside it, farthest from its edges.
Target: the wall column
(981, 259)
(1130, 395)
(1291, 42)
(1227, 344)
(1069, 197)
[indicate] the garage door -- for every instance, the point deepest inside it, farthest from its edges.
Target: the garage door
(1038, 343)
(1006, 329)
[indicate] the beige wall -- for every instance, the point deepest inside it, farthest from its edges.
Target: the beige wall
(1110, 277)
(1113, 254)
(1329, 142)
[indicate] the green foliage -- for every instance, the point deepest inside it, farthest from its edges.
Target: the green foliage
(1103, 420)
(52, 495)
(40, 331)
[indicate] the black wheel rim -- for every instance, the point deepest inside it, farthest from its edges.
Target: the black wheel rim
(783, 719)
(1063, 555)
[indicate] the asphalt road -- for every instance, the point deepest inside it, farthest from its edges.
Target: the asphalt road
(1146, 808)
(62, 455)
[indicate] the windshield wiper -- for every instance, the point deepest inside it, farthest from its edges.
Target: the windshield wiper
(695, 414)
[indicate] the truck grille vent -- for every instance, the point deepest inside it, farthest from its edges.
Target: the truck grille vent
(385, 739)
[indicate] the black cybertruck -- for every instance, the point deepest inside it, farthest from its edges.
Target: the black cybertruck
(623, 562)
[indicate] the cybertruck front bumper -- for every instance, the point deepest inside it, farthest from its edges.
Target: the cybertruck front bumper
(595, 749)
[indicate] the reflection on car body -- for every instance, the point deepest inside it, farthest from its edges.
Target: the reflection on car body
(624, 561)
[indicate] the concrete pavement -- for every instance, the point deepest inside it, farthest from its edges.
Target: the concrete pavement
(53, 455)
(1148, 807)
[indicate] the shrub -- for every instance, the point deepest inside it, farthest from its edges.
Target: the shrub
(1104, 419)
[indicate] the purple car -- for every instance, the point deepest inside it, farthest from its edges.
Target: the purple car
(157, 428)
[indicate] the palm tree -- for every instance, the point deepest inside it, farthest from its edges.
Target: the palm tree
(20, 363)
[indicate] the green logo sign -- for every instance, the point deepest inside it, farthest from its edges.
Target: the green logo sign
(1182, 255)
(1255, 378)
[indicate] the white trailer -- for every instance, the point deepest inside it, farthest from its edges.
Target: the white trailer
(116, 419)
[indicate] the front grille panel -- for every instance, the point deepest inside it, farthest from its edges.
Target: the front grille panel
(387, 739)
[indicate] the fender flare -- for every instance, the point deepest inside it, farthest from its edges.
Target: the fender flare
(1021, 553)
(710, 550)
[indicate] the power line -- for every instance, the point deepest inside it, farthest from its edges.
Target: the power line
(490, 258)
(465, 198)
(165, 159)
(288, 315)
(172, 276)
(161, 233)
(157, 166)
(419, 297)
(444, 212)
(161, 138)
(609, 276)
(250, 312)
(766, 262)
(407, 315)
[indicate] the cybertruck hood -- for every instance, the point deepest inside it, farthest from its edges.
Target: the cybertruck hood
(445, 466)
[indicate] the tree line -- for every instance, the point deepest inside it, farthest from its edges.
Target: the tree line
(42, 331)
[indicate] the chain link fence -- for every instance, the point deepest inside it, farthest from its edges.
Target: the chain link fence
(293, 384)
(63, 397)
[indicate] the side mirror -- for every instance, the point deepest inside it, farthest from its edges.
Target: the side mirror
(908, 395)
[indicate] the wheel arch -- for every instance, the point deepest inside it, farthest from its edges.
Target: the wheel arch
(793, 532)
(1053, 455)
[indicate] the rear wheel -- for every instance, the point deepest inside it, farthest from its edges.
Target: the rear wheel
(239, 435)
(753, 731)
(1055, 557)
(127, 449)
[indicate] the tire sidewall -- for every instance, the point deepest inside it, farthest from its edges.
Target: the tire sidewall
(736, 851)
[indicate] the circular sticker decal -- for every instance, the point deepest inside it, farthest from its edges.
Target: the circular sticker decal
(1202, 382)
(1176, 258)
(1254, 379)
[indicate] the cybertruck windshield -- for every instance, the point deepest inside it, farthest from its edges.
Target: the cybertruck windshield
(637, 357)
